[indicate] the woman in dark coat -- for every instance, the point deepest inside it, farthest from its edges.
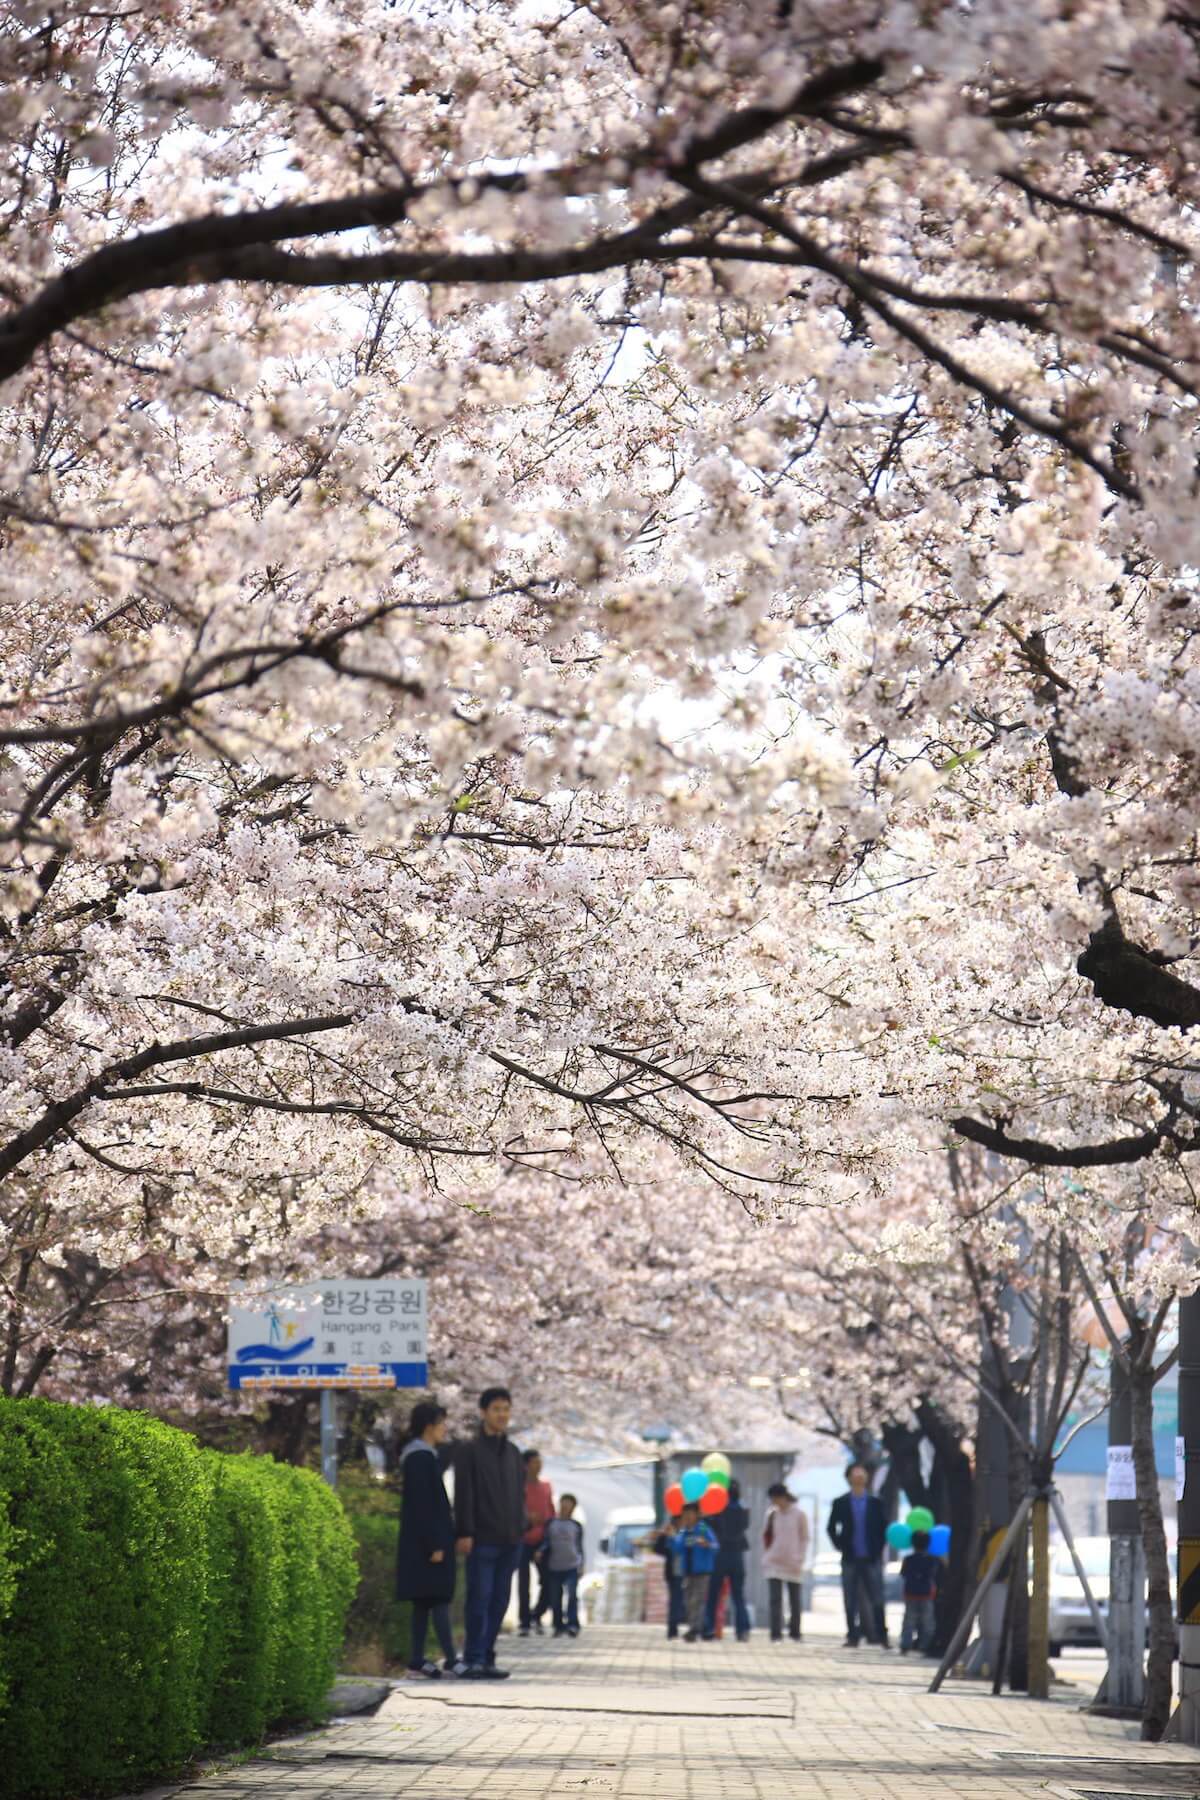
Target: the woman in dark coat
(425, 1561)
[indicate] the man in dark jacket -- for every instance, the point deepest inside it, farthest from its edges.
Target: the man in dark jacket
(730, 1526)
(489, 1511)
(857, 1529)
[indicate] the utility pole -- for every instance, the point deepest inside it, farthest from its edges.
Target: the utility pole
(1185, 1722)
(1122, 1692)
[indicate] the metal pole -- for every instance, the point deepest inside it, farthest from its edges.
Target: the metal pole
(1123, 1689)
(329, 1461)
(981, 1593)
(1185, 1721)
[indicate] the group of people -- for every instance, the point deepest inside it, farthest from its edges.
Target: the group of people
(700, 1558)
(858, 1531)
(503, 1521)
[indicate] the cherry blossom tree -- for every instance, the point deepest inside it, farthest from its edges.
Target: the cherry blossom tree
(585, 584)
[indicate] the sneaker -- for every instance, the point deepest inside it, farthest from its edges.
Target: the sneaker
(429, 1669)
(691, 1637)
(474, 1672)
(539, 1628)
(560, 1631)
(457, 1667)
(524, 1631)
(572, 1631)
(492, 1673)
(743, 1637)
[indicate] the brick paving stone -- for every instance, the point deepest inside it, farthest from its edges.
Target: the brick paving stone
(622, 1714)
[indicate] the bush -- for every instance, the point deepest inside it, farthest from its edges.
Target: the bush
(154, 1597)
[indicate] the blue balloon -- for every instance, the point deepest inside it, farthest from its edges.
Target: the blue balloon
(939, 1541)
(694, 1484)
(899, 1535)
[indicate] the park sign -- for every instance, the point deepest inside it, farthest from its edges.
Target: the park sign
(329, 1334)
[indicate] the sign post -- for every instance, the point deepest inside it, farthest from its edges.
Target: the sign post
(329, 1436)
(329, 1335)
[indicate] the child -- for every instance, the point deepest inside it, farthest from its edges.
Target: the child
(785, 1557)
(563, 1551)
(918, 1574)
(693, 1558)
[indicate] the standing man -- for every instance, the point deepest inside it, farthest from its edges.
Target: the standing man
(539, 1510)
(489, 1510)
(857, 1530)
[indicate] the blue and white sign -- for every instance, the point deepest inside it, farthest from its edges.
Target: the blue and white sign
(331, 1334)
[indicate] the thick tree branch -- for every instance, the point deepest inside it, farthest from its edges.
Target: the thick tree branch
(1079, 1156)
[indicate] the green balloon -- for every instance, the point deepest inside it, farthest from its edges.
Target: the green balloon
(920, 1519)
(719, 1478)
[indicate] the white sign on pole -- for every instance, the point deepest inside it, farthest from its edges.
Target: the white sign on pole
(330, 1334)
(1122, 1481)
(1180, 1467)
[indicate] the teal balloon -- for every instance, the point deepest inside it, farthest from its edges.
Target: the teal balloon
(939, 1540)
(899, 1535)
(920, 1519)
(694, 1484)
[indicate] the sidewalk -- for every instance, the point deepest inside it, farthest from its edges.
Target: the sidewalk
(623, 1713)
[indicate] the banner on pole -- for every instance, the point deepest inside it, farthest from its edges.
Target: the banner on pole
(1122, 1481)
(329, 1334)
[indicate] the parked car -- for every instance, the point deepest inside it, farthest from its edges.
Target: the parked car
(1071, 1619)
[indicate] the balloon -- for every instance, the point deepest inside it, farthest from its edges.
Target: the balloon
(939, 1540)
(673, 1499)
(920, 1519)
(717, 1468)
(715, 1500)
(899, 1535)
(718, 1478)
(694, 1484)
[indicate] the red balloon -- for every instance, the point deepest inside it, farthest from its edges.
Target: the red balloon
(715, 1500)
(673, 1499)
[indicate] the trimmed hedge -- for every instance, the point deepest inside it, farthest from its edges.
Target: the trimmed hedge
(155, 1598)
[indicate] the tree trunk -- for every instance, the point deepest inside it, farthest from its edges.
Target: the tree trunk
(1018, 1567)
(903, 1447)
(1159, 1615)
(287, 1433)
(1039, 1610)
(952, 1488)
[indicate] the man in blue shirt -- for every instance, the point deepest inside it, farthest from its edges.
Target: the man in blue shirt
(857, 1528)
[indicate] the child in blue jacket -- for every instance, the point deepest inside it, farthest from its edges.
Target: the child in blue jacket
(693, 1558)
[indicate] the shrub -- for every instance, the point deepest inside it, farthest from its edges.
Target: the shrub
(154, 1597)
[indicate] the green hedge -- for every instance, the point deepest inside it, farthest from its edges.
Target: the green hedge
(155, 1598)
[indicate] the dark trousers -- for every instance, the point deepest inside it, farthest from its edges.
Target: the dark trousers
(918, 1626)
(422, 1612)
(564, 1588)
(862, 1592)
(676, 1605)
(530, 1614)
(731, 1567)
(775, 1587)
(490, 1569)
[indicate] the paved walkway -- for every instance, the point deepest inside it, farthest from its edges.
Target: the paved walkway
(623, 1713)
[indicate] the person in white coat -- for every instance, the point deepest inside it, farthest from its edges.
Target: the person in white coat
(785, 1558)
